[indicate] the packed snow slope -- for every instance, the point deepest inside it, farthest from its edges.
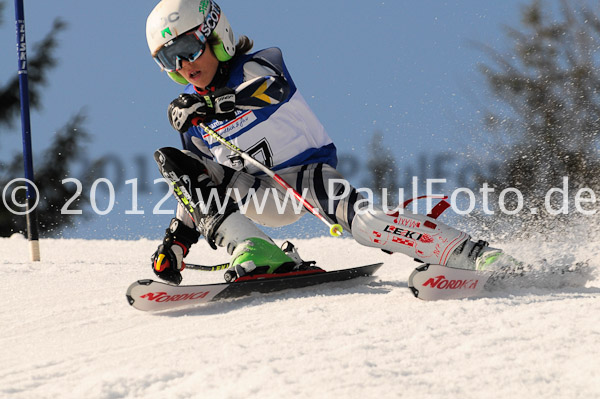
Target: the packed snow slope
(68, 331)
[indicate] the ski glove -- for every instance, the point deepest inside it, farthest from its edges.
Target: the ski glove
(189, 110)
(167, 261)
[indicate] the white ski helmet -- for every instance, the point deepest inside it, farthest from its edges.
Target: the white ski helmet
(172, 18)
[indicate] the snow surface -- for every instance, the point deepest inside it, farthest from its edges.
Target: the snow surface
(67, 331)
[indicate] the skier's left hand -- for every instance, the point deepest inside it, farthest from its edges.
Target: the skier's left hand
(191, 109)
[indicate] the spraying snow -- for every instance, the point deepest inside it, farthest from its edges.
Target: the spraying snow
(68, 331)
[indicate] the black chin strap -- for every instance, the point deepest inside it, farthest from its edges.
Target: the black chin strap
(219, 80)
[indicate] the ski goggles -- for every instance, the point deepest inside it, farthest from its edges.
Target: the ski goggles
(186, 47)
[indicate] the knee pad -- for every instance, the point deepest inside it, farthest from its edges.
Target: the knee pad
(204, 201)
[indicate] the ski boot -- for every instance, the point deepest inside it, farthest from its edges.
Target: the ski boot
(481, 257)
(256, 256)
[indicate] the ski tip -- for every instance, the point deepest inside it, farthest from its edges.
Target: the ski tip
(128, 295)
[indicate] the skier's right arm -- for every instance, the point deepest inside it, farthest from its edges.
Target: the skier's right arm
(265, 66)
(264, 84)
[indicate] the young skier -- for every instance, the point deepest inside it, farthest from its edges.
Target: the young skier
(193, 42)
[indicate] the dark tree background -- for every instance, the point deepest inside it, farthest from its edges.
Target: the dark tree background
(547, 93)
(57, 161)
(544, 117)
(383, 172)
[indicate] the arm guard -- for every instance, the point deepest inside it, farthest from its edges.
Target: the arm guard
(267, 66)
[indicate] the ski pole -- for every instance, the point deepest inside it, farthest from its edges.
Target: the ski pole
(334, 229)
(207, 268)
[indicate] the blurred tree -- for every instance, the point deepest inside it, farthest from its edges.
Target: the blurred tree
(57, 161)
(383, 172)
(548, 104)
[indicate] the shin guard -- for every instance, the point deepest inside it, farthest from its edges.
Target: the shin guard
(415, 235)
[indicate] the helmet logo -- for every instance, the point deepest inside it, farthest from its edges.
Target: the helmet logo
(172, 17)
(210, 23)
(203, 6)
(165, 31)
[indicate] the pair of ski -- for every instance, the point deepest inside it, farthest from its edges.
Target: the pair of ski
(427, 282)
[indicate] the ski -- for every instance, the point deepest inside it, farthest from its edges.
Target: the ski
(150, 295)
(435, 282)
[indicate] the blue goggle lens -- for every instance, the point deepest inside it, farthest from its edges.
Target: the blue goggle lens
(187, 47)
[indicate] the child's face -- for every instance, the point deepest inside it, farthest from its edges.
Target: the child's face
(202, 71)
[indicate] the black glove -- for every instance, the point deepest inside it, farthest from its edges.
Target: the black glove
(191, 109)
(167, 261)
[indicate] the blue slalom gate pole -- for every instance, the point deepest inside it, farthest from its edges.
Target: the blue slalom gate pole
(32, 226)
